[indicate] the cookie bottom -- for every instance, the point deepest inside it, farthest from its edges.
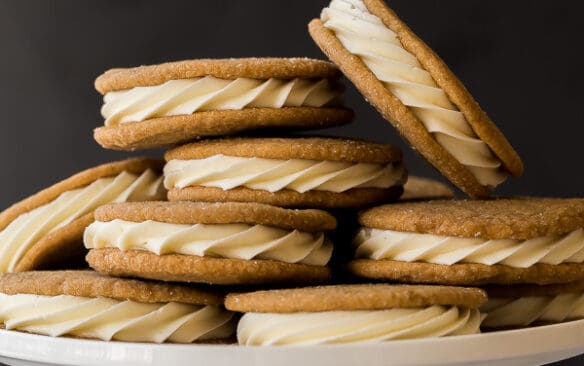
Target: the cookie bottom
(187, 268)
(353, 198)
(163, 131)
(465, 273)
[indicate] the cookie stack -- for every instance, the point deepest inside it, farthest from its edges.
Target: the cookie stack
(240, 201)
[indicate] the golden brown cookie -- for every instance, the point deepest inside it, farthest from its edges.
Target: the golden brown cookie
(218, 243)
(419, 188)
(85, 304)
(57, 241)
(347, 34)
(353, 297)
(290, 172)
(461, 242)
(214, 98)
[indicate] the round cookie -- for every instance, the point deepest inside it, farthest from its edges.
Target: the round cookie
(414, 90)
(176, 102)
(419, 188)
(288, 172)
(501, 241)
(218, 243)
(61, 212)
(527, 305)
(89, 305)
(355, 313)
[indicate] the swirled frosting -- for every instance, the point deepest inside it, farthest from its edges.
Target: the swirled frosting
(413, 247)
(187, 96)
(239, 241)
(365, 35)
(524, 311)
(30, 227)
(300, 175)
(110, 319)
(356, 326)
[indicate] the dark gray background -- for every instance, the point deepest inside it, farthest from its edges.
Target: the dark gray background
(520, 59)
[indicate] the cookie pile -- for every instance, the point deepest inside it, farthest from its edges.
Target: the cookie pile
(242, 205)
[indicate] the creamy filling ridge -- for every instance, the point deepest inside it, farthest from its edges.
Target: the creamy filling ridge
(187, 96)
(272, 175)
(333, 327)
(30, 227)
(236, 241)
(365, 35)
(524, 311)
(109, 319)
(380, 244)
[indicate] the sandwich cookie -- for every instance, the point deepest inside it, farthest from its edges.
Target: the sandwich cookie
(288, 172)
(527, 305)
(416, 92)
(84, 304)
(503, 241)
(355, 314)
(218, 243)
(151, 106)
(45, 230)
(418, 188)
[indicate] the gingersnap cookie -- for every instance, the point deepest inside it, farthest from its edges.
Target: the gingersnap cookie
(419, 188)
(416, 92)
(176, 102)
(217, 243)
(85, 304)
(528, 305)
(501, 241)
(45, 230)
(355, 313)
(289, 172)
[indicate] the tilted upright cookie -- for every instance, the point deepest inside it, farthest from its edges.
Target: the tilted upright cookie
(176, 102)
(415, 90)
(218, 243)
(355, 314)
(419, 188)
(289, 172)
(464, 242)
(46, 229)
(528, 305)
(85, 304)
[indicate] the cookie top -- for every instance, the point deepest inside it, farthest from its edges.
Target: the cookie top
(310, 148)
(353, 297)
(505, 218)
(534, 290)
(417, 188)
(78, 180)
(369, 32)
(218, 213)
(255, 68)
(92, 284)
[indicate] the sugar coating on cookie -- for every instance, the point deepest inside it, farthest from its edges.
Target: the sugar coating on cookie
(516, 233)
(233, 232)
(86, 305)
(268, 167)
(355, 314)
(49, 214)
(415, 90)
(528, 305)
(179, 99)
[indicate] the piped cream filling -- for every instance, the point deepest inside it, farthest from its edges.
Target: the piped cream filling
(272, 175)
(27, 229)
(187, 96)
(447, 250)
(335, 327)
(364, 35)
(236, 241)
(109, 319)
